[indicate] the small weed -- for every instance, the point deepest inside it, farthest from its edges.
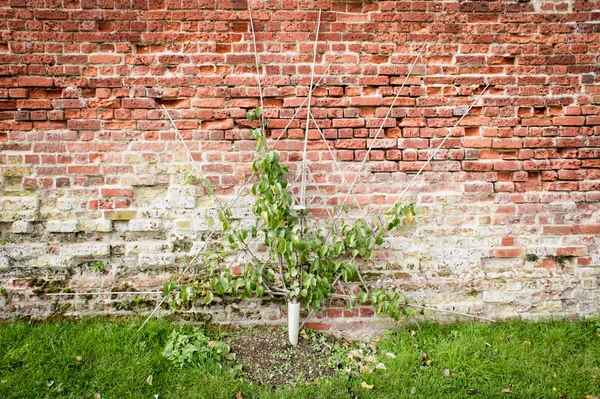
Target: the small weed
(96, 265)
(561, 260)
(2, 290)
(193, 349)
(3, 238)
(532, 258)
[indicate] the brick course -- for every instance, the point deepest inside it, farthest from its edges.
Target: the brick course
(87, 153)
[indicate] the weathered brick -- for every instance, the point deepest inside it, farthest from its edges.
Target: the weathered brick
(35, 81)
(138, 103)
(586, 229)
(579, 250)
(116, 192)
(223, 124)
(509, 252)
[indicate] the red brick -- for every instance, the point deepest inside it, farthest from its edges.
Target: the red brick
(509, 252)
(138, 103)
(479, 187)
(210, 103)
(349, 122)
(116, 192)
(83, 124)
(507, 165)
(34, 104)
(508, 241)
(366, 101)
(569, 121)
(505, 208)
(222, 124)
(477, 142)
(587, 261)
(477, 166)
(413, 143)
(351, 144)
(413, 166)
(507, 143)
(556, 229)
(586, 229)
(105, 59)
(35, 81)
(579, 250)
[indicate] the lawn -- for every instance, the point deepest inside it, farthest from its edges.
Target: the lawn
(99, 358)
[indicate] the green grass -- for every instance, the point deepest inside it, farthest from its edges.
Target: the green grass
(534, 360)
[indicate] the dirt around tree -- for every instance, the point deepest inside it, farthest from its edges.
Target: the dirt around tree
(267, 357)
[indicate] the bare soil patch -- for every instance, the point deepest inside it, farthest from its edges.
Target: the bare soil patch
(268, 358)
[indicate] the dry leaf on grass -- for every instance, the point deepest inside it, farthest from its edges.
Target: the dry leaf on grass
(366, 386)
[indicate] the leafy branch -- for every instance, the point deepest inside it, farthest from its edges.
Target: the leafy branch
(300, 263)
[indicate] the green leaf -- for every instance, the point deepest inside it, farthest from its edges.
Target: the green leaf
(169, 286)
(363, 297)
(208, 298)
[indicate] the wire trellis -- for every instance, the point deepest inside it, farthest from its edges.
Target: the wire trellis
(305, 175)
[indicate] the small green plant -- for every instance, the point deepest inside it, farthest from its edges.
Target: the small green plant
(300, 263)
(193, 349)
(3, 238)
(97, 266)
(561, 260)
(4, 295)
(532, 258)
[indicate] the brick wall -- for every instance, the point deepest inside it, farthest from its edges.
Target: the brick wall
(92, 171)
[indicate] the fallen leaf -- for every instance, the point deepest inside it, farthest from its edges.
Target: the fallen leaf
(78, 358)
(380, 366)
(371, 359)
(366, 386)
(149, 380)
(390, 355)
(238, 395)
(507, 390)
(50, 383)
(446, 373)
(472, 391)
(96, 395)
(413, 390)
(526, 343)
